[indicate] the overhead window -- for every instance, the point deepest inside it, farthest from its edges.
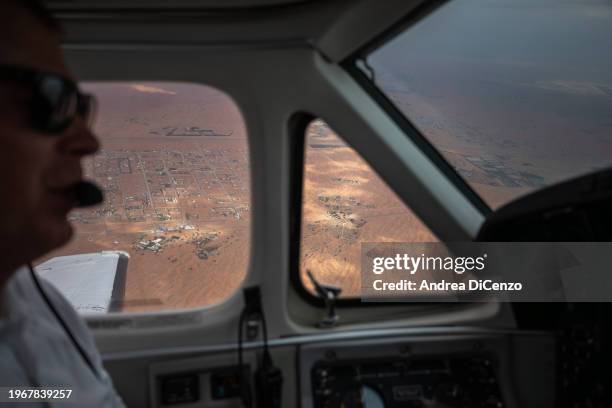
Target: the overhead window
(346, 203)
(516, 95)
(174, 229)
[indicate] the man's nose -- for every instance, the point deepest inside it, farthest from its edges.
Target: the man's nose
(79, 140)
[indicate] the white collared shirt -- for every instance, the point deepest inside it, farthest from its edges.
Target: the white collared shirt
(36, 351)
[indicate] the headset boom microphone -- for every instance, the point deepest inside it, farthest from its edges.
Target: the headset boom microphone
(88, 194)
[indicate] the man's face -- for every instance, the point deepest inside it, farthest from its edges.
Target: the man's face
(37, 169)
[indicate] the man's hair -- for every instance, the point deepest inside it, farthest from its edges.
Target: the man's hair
(37, 9)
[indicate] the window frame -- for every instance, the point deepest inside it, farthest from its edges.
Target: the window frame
(297, 127)
(183, 313)
(299, 123)
(350, 65)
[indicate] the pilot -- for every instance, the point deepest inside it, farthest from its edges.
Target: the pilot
(44, 134)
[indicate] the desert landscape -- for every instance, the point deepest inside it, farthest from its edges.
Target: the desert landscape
(175, 171)
(513, 104)
(506, 137)
(346, 203)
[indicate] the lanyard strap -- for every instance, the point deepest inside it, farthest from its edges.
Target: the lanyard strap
(63, 323)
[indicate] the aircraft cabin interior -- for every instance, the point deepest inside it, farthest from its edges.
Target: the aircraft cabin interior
(251, 150)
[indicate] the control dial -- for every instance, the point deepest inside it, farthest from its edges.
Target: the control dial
(362, 396)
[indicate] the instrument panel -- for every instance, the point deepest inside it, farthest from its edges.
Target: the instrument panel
(441, 372)
(425, 367)
(467, 381)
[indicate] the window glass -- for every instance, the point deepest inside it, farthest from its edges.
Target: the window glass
(346, 203)
(174, 169)
(516, 95)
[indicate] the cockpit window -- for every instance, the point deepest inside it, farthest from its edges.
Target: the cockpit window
(516, 95)
(345, 203)
(175, 173)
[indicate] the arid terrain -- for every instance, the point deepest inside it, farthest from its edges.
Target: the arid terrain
(345, 204)
(507, 128)
(174, 167)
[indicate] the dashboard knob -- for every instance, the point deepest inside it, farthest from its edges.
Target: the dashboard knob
(362, 396)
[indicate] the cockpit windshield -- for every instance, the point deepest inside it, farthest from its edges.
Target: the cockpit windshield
(516, 95)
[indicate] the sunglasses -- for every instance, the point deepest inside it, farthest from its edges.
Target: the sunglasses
(55, 101)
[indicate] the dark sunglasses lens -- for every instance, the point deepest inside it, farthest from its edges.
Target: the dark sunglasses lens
(64, 102)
